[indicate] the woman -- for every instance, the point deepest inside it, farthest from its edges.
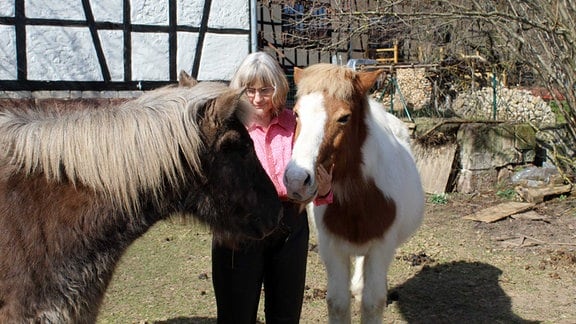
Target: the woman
(279, 261)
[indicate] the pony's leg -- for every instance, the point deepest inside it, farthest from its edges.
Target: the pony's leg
(338, 295)
(357, 283)
(374, 294)
(337, 264)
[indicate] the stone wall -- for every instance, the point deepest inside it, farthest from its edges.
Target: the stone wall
(485, 151)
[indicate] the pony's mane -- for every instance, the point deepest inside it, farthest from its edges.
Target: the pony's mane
(119, 152)
(335, 81)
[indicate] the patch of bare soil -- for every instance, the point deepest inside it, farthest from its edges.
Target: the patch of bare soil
(520, 269)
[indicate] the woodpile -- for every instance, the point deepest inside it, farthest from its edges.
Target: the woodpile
(511, 105)
(412, 87)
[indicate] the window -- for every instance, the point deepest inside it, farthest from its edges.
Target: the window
(306, 24)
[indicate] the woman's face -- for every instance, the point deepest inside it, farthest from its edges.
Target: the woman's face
(260, 96)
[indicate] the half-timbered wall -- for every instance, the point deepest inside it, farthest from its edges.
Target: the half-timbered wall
(102, 45)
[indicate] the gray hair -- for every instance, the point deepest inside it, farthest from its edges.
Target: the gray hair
(263, 68)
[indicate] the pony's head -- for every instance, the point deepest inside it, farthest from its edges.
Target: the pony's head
(175, 150)
(236, 199)
(332, 102)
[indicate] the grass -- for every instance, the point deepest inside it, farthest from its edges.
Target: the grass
(470, 276)
(438, 199)
(507, 194)
(163, 276)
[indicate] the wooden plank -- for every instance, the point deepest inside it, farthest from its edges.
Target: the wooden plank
(538, 194)
(435, 165)
(529, 215)
(494, 213)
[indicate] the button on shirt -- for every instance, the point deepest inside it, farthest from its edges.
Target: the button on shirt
(274, 147)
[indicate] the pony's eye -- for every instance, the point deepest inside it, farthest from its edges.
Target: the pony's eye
(344, 119)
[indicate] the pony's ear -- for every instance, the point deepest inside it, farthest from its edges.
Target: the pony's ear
(298, 72)
(367, 79)
(185, 80)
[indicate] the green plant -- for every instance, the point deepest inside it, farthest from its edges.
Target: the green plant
(506, 193)
(559, 110)
(438, 199)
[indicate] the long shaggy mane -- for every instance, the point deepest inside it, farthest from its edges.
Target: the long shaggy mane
(118, 151)
(336, 81)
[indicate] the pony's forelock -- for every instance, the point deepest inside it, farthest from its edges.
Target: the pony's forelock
(335, 81)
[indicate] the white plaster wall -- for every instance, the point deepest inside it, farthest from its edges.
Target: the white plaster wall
(7, 8)
(229, 14)
(67, 53)
(61, 9)
(107, 11)
(7, 53)
(149, 12)
(222, 55)
(190, 12)
(186, 51)
(112, 41)
(150, 56)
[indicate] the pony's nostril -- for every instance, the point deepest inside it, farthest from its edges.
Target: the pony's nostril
(307, 180)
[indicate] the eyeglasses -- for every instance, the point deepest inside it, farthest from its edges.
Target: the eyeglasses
(264, 92)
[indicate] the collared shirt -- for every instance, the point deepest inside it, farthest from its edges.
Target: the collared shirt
(274, 149)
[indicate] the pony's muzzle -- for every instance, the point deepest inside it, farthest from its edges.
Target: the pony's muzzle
(300, 183)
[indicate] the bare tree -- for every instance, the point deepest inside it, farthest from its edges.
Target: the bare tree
(540, 34)
(512, 35)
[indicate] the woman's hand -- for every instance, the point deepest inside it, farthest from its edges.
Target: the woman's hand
(324, 180)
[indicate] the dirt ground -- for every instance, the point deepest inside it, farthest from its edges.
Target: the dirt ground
(520, 269)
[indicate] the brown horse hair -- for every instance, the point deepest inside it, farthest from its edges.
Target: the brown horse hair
(333, 81)
(123, 160)
(78, 187)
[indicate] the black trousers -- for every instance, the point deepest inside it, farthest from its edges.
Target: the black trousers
(277, 262)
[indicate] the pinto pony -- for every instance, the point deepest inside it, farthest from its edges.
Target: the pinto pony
(77, 188)
(378, 197)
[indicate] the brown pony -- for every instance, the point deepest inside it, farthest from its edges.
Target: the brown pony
(77, 188)
(378, 197)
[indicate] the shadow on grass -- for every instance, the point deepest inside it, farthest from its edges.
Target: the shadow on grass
(456, 292)
(191, 320)
(188, 320)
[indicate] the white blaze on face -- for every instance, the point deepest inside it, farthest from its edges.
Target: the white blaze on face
(299, 177)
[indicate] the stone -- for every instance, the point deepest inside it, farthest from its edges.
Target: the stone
(469, 181)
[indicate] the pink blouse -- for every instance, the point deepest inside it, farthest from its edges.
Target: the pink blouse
(274, 149)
